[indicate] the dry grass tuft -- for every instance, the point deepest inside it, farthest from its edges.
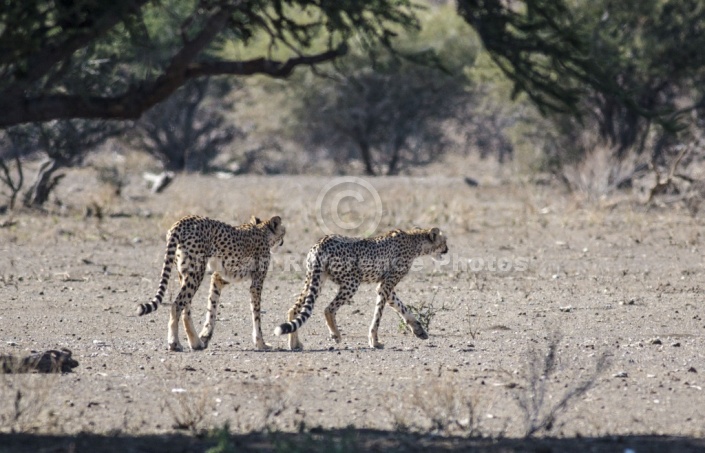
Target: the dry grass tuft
(442, 407)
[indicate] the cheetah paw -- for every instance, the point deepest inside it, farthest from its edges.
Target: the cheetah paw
(261, 345)
(419, 331)
(176, 347)
(297, 346)
(199, 346)
(205, 339)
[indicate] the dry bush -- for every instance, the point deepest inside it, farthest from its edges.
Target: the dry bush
(442, 407)
(539, 407)
(424, 314)
(600, 172)
(272, 400)
(23, 403)
(190, 409)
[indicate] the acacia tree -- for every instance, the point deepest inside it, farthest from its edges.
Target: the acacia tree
(390, 111)
(114, 60)
(389, 118)
(623, 66)
(188, 130)
(65, 144)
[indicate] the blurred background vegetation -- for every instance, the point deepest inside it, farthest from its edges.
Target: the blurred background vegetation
(596, 96)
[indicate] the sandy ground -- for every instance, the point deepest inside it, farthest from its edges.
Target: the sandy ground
(528, 267)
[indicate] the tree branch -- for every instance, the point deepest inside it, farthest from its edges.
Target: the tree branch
(138, 99)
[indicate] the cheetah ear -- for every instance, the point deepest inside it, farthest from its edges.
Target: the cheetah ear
(274, 223)
(255, 220)
(433, 234)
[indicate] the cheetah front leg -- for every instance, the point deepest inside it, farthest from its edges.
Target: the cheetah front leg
(409, 318)
(293, 340)
(383, 295)
(256, 297)
(217, 284)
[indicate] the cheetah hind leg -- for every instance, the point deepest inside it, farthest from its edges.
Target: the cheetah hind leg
(344, 296)
(217, 284)
(190, 281)
(193, 340)
(173, 336)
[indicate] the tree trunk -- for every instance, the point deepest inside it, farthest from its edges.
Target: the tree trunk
(45, 182)
(13, 183)
(366, 155)
(393, 166)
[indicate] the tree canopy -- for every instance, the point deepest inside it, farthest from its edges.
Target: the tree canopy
(66, 59)
(626, 64)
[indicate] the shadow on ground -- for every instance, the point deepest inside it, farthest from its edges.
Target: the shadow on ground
(343, 440)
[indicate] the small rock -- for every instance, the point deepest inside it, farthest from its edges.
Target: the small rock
(621, 374)
(692, 370)
(676, 344)
(566, 309)
(655, 341)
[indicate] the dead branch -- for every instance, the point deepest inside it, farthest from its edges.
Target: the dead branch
(52, 361)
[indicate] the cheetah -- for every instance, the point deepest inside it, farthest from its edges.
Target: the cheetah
(231, 253)
(384, 260)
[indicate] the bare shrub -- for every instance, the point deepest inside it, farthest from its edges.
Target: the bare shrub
(442, 407)
(272, 402)
(189, 129)
(189, 410)
(600, 172)
(12, 177)
(534, 397)
(23, 402)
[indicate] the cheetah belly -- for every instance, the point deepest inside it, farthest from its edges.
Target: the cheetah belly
(229, 272)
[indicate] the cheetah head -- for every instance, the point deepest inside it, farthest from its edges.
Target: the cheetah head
(276, 231)
(435, 244)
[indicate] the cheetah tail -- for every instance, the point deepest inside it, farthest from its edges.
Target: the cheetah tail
(313, 286)
(172, 242)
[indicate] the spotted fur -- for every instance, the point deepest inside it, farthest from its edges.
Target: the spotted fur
(232, 253)
(348, 262)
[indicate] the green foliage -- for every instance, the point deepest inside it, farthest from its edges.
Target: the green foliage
(127, 56)
(224, 442)
(625, 64)
(626, 75)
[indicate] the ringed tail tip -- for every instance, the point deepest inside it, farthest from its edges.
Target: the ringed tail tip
(143, 309)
